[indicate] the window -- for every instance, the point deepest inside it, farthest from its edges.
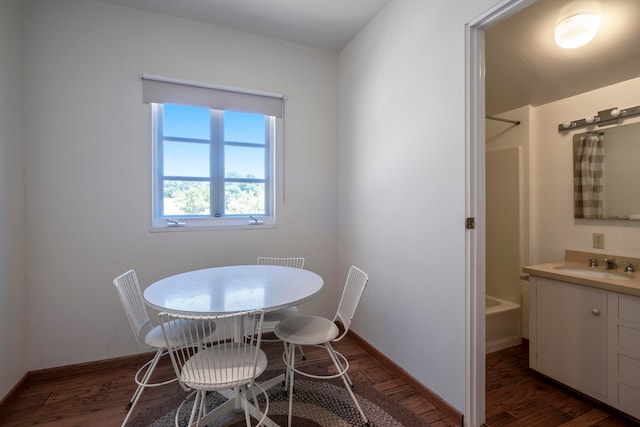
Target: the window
(211, 164)
(212, 167)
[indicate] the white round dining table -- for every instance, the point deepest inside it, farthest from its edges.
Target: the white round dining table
(230, 289)
(234, 288)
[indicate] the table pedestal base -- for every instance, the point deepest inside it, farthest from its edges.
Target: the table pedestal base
(233, 403)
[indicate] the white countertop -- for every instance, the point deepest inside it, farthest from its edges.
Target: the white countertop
(549, 270)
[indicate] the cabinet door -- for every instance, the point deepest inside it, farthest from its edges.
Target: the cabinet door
(627, 354)
(571, 324)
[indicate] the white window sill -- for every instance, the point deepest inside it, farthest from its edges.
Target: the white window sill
(161, 226)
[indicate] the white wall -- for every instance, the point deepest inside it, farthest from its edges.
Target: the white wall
(553, 228)
(402, 185)
(13, 329)
(507, 242)
(503, 136)
(88, 165)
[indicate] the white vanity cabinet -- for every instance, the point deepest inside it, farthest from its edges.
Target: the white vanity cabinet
(625, 350)
(588, 339)
(569, 337)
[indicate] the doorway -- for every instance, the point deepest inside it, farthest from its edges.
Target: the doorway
(475, 411)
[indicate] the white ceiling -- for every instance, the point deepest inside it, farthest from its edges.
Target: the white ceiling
(524, 66)
(323, 24)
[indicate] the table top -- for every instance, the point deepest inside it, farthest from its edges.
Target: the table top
(233, 288)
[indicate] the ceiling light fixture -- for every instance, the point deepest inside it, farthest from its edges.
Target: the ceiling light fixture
(576, 30)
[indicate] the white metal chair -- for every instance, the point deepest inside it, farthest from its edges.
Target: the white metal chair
(284, 313)
(318, 331)
(145, 332)
(278, 315)
(230, 360)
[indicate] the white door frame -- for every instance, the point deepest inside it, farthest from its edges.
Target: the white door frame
(475, 414)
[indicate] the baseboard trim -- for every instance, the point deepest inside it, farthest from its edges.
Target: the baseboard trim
(437, 401)
(8, 398)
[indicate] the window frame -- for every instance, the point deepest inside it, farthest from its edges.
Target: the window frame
(160, 222)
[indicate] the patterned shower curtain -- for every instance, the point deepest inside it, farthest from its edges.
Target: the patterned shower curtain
(589, 177)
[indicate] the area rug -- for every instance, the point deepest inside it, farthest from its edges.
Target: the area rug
(316, 404)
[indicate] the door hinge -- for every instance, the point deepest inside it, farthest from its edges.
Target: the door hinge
(470, 223)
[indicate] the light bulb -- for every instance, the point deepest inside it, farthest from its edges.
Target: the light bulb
(576, 30)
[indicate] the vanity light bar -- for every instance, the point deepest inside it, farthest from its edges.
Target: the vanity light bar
(603, 118)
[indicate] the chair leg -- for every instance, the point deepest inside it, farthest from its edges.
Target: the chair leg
(288, 358)
(290, 371)
(347, 383)
(245, 405)
(341, 368)
(287, 362)
(141, 386)
(196, 409)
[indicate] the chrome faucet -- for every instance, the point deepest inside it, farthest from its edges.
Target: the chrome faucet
(628, 267)
(593, 262)
(610, 263)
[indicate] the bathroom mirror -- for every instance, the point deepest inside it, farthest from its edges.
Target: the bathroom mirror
(606, 170)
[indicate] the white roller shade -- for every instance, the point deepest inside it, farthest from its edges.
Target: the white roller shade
(163, 90)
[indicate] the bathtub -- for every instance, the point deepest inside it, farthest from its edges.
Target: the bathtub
(502, 324)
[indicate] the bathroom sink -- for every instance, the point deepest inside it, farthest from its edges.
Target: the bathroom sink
(595, 273)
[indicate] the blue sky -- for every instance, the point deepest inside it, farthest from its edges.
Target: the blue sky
(192, 159)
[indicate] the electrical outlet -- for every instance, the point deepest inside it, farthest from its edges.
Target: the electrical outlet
(598, 240)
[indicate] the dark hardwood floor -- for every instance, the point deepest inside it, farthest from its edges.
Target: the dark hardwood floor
(516, 396)
(98, 398)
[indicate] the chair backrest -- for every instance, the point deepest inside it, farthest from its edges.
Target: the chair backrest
(284, 262)
(352, 293)
(227, 352)
(133, 302)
